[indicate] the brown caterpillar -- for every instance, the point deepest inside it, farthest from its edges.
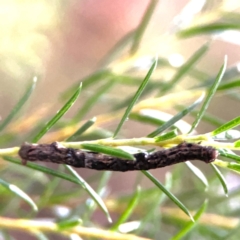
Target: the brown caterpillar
(57, 153)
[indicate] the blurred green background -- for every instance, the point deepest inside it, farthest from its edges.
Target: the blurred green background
(110, 46)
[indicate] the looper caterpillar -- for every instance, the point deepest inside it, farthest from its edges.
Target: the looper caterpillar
(57, 153)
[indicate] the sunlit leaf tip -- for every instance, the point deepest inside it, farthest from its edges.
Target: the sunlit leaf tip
(221, 179)
(136, 97)
(59, 114)
(173, 198)
(210, 95)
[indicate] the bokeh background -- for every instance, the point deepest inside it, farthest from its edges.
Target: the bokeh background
(63, 42)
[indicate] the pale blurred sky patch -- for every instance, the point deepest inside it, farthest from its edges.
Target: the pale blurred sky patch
(23, 40)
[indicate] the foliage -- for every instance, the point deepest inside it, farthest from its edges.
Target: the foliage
(177, 208)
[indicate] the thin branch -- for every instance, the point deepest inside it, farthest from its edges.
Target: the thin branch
(57, 153)
(46, 226)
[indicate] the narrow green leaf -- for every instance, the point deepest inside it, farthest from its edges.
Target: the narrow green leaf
(128, 211)
(135, 98)
(228, 165)
(207, 117)
(230, 155)
(176, 118)
(185, 68)
(82, 129)
(155, 206)
(167, 136)
(221, 179)
(208, 28)
(91, 80)
(102, 186)
(19, 105)
(168, 193)
(234, 166)
(75, 178)
(59, 114)
(101, 190)
(231, 72)
(127, 80)
(210, 95)
(146, 119)
(16, 190)
(108, 150)
(46, 170)
(229, 125)
(91, 192)
(87, 81)
(198, 173)
(168, 185)
(143, 25)
(69, 223)
(106, 175)
(93, 100)
(229, 85)
(189, 227)
(237, 144)
(48, 191)
(127, 100)
(96, 133)
(96, 198)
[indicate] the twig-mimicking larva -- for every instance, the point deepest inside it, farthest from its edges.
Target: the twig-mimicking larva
(57, 153)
